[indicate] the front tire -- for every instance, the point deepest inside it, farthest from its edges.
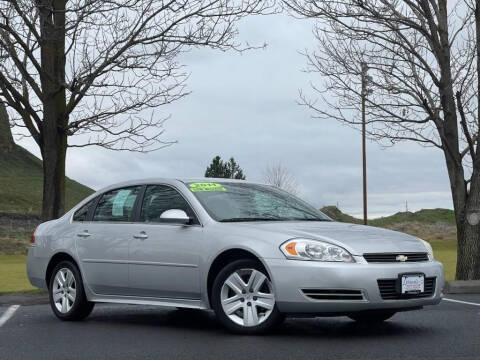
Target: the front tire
(374, 317)
(67, 295)
(243, 298)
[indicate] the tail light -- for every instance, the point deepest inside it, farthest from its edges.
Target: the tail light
(32, 238)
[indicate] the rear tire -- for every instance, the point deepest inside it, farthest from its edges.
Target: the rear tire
(67, 294)
(372, 317)
(243, 298)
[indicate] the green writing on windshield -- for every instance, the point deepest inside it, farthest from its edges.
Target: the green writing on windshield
(206, 186)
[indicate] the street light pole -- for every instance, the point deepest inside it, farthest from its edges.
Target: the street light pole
(364, 145)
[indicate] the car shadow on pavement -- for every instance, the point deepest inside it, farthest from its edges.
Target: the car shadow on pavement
(175, 318)
(344, 328)
(205, 321)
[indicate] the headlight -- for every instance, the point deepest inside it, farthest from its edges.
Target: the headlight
(303, 249)
(429, 248)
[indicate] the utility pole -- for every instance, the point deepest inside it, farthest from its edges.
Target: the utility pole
(364, 145)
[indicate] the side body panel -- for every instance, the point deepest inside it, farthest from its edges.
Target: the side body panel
(103, 256)
(166, 263)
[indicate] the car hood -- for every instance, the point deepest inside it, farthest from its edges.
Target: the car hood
(357, 239)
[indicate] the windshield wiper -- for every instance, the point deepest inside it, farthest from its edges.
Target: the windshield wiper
(240, 219)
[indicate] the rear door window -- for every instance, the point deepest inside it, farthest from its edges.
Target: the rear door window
(117, 205)
(85, 212)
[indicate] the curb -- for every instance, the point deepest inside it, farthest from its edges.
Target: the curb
(462, 287)
(24, 299)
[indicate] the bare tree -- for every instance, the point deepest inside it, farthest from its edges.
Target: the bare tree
(82, 72)
(279, 176)
(423, 65)
(6, 139)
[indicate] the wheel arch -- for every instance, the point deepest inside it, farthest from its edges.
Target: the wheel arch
(226, 257)
(56, 259)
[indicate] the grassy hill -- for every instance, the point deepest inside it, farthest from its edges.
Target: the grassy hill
(424, 216)
(428, 224)
(21, 181)
(337, 215)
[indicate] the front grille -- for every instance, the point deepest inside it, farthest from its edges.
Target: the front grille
(333, 294)
(389, 290)
(392, 257)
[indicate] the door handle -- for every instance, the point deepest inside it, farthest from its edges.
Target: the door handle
(84, 234)
(143, 235)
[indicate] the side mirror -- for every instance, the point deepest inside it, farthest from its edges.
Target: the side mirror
(175, 216)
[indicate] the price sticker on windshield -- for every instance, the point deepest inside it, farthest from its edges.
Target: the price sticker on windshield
(205, 186)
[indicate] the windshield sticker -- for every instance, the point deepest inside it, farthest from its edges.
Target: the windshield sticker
(195, 187)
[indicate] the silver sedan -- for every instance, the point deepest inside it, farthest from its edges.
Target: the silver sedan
(252, 253)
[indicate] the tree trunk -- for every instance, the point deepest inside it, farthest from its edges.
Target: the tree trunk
(464, 202)
(54, 153)
(6, 138)
(468, 255)
(55, 120)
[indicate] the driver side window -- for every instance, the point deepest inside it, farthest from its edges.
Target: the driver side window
(160, 198)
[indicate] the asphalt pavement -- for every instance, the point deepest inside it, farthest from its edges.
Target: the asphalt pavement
(450, 330)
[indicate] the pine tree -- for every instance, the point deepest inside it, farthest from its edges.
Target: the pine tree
(234, 171)
(216, 169)
(227, 170)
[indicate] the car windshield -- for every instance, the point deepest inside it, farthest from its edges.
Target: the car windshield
(235, 202)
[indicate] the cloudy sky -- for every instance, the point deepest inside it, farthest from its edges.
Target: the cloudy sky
(245, 106)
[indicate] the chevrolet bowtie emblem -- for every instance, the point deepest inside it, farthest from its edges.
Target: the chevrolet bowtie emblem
(401, 258)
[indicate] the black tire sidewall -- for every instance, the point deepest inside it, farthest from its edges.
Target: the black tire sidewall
(275, 317)
(81, 307)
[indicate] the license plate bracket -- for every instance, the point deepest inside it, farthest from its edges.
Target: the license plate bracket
(411, 283)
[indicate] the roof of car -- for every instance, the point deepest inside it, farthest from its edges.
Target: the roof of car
(190, 180)
(172, 181)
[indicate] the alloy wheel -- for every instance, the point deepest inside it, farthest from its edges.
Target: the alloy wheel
(64, 290)
(247, 297)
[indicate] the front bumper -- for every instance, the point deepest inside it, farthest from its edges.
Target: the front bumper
(291, 276)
